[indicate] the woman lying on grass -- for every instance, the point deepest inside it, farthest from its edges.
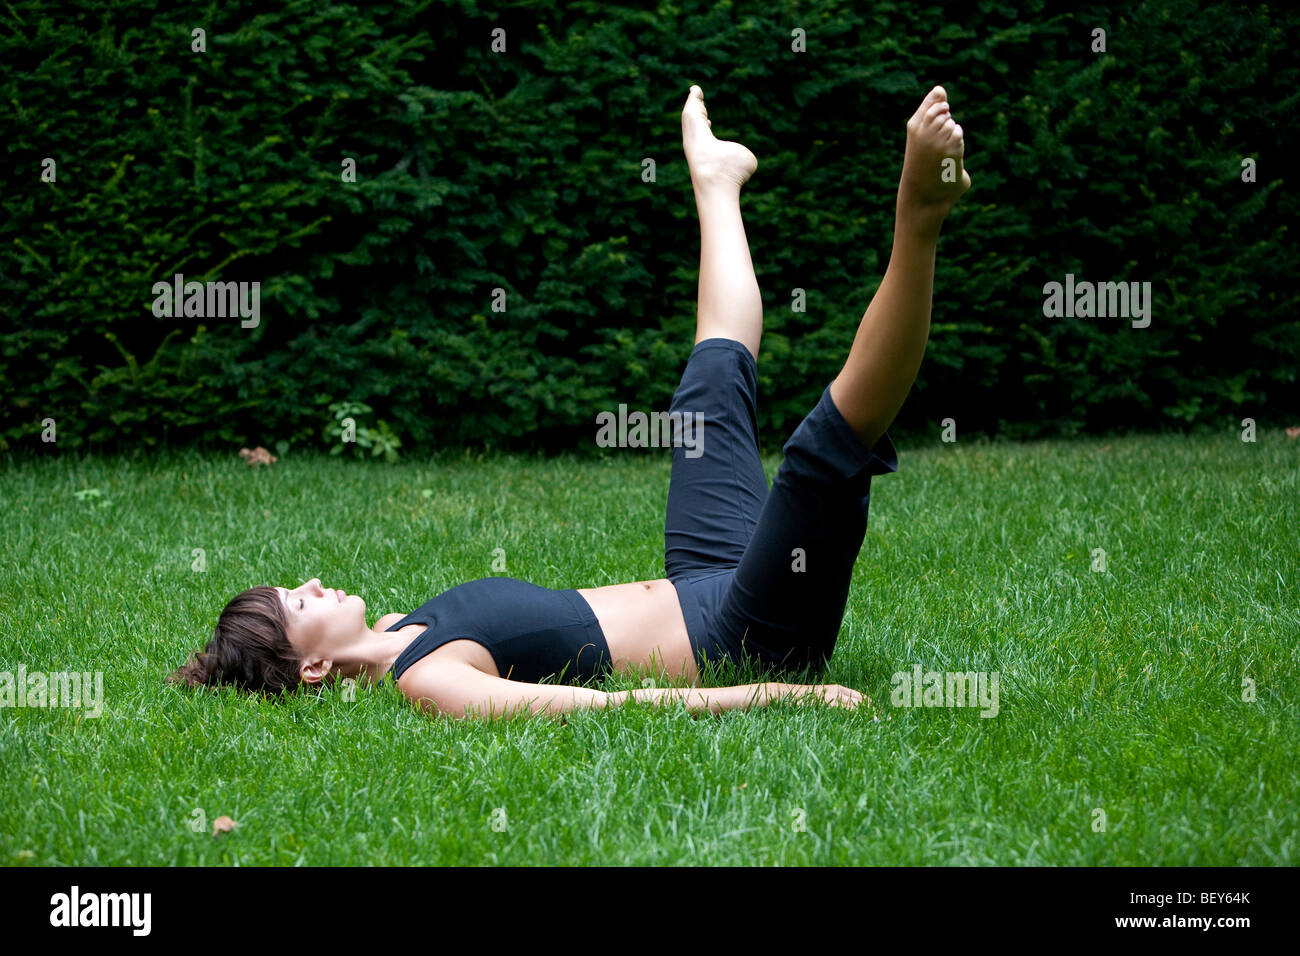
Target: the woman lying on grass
(748, 573)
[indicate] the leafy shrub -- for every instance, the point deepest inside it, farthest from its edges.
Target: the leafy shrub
(516, 177)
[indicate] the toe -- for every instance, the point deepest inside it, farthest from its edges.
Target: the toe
(937, 95)
(953, 142)
(922, 111)
(937, 112)
(695, 99)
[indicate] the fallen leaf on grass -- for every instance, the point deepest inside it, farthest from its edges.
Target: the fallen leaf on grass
(258, 456)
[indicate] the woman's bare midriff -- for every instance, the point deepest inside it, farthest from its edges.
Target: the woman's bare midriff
(644, 626)
(642, 622)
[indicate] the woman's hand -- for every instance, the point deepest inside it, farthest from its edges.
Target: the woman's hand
(837, 695)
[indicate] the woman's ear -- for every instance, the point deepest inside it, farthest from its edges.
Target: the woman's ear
(315, 671)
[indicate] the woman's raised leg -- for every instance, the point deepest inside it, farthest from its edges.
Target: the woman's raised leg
(717, 489)
(891, 339)
(717, 486)
(787, 599)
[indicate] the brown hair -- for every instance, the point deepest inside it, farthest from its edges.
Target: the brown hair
(249, 647)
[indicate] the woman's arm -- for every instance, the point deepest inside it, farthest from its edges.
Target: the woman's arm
(461, 690)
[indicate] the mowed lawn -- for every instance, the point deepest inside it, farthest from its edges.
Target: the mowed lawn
(1121, 737)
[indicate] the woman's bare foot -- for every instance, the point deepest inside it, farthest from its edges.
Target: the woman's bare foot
(933, 177)
(712, 161)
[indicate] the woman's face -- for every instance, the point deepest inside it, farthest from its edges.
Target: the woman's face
(321, 621)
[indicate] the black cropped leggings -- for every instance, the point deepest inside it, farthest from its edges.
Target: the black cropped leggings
(759, 573)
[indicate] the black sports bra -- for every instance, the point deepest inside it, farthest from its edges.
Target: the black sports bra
(531, 632)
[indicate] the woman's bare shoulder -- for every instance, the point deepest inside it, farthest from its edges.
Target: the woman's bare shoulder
(387, 621)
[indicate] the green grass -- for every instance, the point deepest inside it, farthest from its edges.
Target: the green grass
(1119, 690)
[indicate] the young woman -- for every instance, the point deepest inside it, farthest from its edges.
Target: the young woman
(748, 572)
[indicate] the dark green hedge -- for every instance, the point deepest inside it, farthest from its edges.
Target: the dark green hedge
(522, 170)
